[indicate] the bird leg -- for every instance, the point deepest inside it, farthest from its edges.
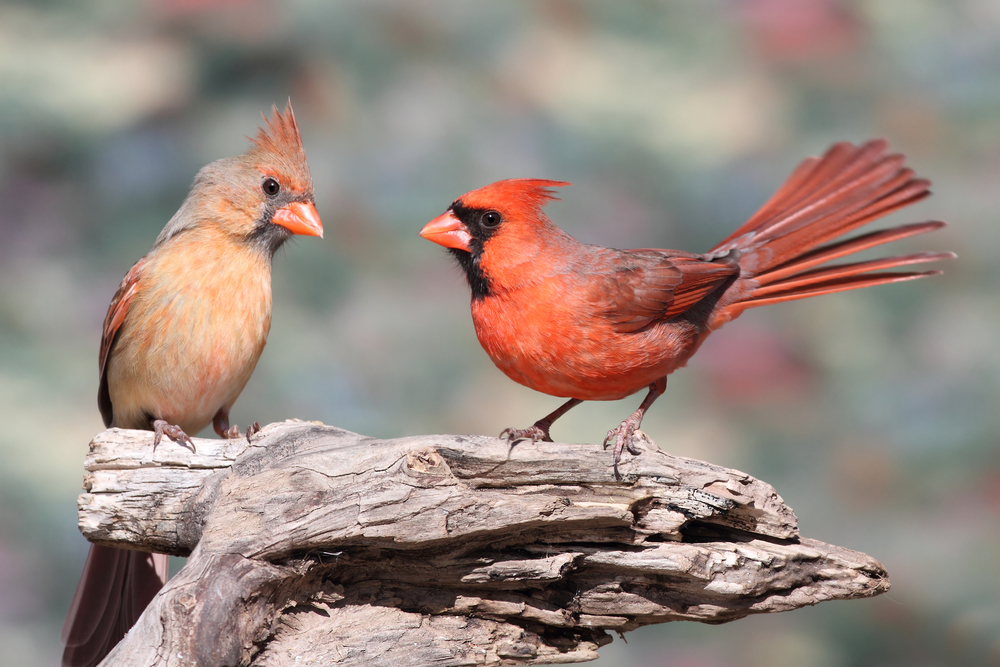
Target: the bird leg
(221, 425)
(623, 433)
(175, 433)
(540, 429)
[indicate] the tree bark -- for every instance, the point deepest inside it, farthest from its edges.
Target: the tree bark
(314, 545)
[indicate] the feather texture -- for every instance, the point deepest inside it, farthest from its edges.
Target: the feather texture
(590, 323)
(182, 336)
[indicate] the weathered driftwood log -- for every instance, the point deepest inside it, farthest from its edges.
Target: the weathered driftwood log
(314, 545)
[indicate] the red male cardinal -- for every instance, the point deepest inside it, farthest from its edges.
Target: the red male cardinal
(181, 338)
(597, 324)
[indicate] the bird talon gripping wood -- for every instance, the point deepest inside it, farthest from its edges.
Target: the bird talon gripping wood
(596, 324)
(175, 433)
(534, 433)
(220, 423)
(181, 338)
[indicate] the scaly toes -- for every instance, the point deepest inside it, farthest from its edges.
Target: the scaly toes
(616, 436)
(622, 436)
(232, 432)
(252, 429)
(175, 433)
(533, 433)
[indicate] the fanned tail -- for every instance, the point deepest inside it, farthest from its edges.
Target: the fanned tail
(782, 245)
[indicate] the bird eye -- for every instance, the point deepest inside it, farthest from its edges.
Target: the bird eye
(490, 219)
(270, 187)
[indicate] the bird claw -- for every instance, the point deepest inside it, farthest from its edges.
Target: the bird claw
(623, 436)
(234, 431)
(176, 433)
(535, 433)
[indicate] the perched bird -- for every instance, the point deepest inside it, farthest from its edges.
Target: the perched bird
(181, 338)
(589, 323)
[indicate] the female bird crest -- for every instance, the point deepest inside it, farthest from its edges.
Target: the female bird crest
(262, 196)
(278, 148)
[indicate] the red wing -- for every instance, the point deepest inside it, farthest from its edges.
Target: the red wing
(112, 322)
(701, 278)
(647, 286)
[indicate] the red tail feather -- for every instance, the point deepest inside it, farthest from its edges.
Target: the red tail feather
(834, 286)
(844, 248)
(782, 244)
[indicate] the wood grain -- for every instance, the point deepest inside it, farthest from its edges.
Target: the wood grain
(315, 545)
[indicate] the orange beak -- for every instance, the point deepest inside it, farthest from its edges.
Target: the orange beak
(299, 218)
(447, 230)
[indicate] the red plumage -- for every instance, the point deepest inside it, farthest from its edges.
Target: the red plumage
(591, 323)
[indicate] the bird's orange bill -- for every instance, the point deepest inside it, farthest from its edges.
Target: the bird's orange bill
(299, 218)
(447, 230)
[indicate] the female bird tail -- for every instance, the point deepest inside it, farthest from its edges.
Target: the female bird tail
(782, 245)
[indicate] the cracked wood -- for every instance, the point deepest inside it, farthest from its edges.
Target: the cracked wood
(317, 545)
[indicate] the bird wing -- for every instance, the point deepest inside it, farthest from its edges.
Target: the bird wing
(112, 323)
(646, 286)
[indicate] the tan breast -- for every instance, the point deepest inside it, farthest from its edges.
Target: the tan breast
(193, 333)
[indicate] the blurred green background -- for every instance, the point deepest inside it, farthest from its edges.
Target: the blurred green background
(874, 413)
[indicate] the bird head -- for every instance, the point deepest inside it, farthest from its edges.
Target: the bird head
(263, 196)
(495, 228)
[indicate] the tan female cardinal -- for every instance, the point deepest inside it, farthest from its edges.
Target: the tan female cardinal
(181, 338)
(595, 324)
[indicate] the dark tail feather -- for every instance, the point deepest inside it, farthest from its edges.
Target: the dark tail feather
(842, 249)
(839, 271)
(114, 589)
(825, 198)
(836, 286)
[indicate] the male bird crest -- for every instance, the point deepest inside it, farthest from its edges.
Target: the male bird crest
(524, 197)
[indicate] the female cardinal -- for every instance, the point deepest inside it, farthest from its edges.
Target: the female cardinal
(181, 338)
(597, 324)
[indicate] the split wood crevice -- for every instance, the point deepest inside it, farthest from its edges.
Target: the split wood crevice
(315, 545)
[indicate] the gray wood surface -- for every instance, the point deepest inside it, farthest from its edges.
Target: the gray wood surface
(315, 545)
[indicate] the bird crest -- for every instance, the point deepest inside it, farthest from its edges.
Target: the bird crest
(527, 194)
(277, 149)
(281, 134)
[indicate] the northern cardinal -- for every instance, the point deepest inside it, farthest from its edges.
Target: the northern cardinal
(181, 338)
(589, 323)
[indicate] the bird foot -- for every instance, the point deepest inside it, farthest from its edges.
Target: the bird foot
(175, 433)
(623, 436)
(533, 433)
(235, 432)
(252, 430)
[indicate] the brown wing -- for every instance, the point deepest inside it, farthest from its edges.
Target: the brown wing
(646, 286)
(112, 323)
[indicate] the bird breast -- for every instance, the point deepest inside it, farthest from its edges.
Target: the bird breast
(193, 333)
(553, 337)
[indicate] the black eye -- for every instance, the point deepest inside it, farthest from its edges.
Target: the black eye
(490, 219)
(270, 187)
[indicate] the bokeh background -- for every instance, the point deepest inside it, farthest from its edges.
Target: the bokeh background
(874, 413)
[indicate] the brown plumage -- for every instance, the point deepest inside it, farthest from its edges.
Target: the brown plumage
(591, 323)
(182, 336)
